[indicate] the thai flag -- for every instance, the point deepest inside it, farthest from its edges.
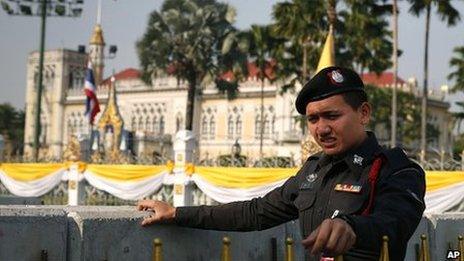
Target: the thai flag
(91, 107)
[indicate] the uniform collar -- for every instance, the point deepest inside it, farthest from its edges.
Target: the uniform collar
(357, 158)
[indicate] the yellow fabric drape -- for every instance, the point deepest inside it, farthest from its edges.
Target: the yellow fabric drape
(440, 179)
(30, 171)
(244, 177)
(126, 172)
(328, 53)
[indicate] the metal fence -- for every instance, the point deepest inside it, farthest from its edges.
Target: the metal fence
(94, 196)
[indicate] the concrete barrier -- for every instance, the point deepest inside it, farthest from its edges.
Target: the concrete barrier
(106, 234)
(114, 233)
(26, 231)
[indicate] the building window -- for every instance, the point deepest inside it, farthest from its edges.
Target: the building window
(238, 126)
(140, 127)
(179, 122)
(266, 126)
(230, 127)
(257, 126)
(155, 125)
(161, 126)
(212, 128)
(134, 124)
(204, 127)
(148, 124)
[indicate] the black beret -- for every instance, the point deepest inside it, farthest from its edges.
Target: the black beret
(327, 82)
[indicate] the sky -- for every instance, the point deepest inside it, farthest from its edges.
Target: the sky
(124, 22)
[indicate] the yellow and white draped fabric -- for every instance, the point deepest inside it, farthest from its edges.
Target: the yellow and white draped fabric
(225, 184)
(129, 182)
(445, 190)
(30, 179)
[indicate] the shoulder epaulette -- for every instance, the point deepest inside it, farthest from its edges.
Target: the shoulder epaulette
(396, 159)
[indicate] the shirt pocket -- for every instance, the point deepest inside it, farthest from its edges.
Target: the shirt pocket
(349, 203)
(304, 202)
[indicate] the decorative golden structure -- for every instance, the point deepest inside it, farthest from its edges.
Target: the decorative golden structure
(289, 255)
(384, 255)
(111, 118)
(226, 255)
(308, 148)
(97, 36)
(424, 252)
(73, 149)
(157, 250)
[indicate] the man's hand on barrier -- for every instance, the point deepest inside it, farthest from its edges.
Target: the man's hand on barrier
(162, 211)
(333, 237)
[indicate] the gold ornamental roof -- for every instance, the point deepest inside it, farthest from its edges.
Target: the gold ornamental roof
(97, 37)
(111, 115)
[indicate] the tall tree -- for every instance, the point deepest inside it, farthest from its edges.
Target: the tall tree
(364, 37)
(12, 127)
(263, 48)
(300, 22)
(187, 38)
(457, 63)
(394, 114)
(447, 13)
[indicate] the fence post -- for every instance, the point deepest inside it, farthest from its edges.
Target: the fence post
(184, 146)
(424, 254)
(75, 186)
(289, 256)
(226, 255)
(157, 250)
(461, 247)
(384, 254)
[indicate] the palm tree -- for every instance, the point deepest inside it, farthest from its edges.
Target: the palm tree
(457, 75)
(300, 22)
(186, 39)
(457, 62)
(365, 37)
(262, 49)
(446, 12)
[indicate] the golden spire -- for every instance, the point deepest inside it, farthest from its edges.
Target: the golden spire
(328, 53)
(112, 117)
(97, 37)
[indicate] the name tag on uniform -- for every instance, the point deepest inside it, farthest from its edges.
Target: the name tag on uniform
(348, 188)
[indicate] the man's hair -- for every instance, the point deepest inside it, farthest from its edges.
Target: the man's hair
(355, 99)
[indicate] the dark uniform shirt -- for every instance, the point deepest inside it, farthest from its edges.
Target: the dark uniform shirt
(328, 186)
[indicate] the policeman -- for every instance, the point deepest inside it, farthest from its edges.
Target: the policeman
(346, 197)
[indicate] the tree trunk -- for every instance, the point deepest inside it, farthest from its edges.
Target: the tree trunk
(395, 74)
(425, 93)
(192, 83)
(261, 119)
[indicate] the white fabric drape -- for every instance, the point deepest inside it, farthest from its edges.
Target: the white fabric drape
(441, 200)
(226, 195)
(32, 188)
(129, 190)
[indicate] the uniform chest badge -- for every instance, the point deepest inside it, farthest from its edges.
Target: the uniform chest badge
(348, 188)
(309, 181)
(358, 160)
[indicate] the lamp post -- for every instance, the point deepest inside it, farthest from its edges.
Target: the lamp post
(42, 8)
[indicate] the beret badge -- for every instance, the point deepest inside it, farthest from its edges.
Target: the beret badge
(336, 77)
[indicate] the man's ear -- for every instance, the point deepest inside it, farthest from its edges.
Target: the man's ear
(365, 113)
